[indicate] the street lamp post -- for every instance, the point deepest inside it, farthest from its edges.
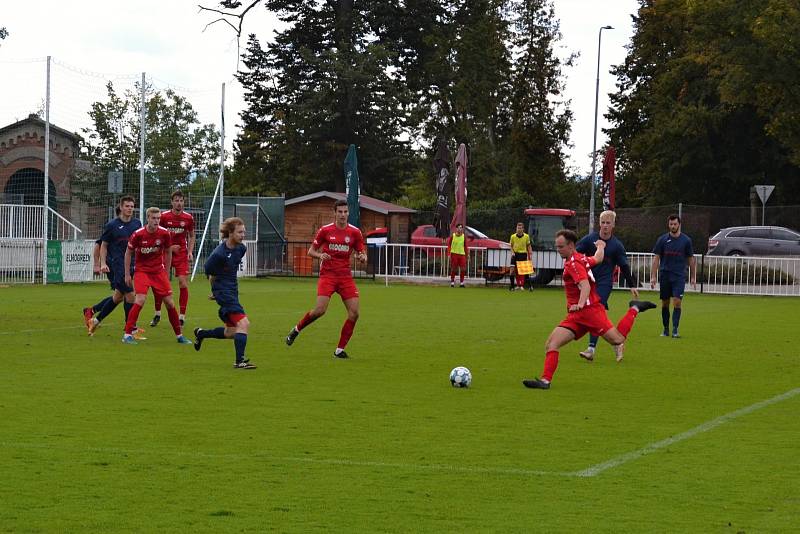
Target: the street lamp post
(594, 141)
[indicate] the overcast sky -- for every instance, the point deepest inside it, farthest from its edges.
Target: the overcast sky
(96, 41)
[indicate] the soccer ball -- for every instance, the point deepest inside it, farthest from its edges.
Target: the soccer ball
(460, 377)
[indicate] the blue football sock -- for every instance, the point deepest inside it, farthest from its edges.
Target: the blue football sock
(100, 305)
(676, 319)
(665, 317)
(240, 342)
(593, 341)
(127, 307)
(216, 333)
(107, 308)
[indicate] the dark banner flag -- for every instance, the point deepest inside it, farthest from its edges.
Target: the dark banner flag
(441, 167)
(609, 160)
(352, 186)
(460, 214)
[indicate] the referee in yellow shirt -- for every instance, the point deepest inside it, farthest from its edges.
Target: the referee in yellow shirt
(522, 251)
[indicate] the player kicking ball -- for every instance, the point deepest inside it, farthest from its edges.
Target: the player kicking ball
(222, 268)
(151, 247)
(585, 310)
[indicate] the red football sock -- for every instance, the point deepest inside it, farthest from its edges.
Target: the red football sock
(183, 299)
(174, 320)
(347, 332)
(462, 276)
(626, 323)
(452, 274)
(133, 316)
(159, 300)
(305, 321)
(550, 364)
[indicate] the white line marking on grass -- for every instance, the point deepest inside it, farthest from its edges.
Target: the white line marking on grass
(300, 460)
(705, 427)
(34, 330)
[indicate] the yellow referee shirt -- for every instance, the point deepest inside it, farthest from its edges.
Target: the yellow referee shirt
(520, 244)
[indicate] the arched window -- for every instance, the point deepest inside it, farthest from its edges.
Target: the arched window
(26, 186)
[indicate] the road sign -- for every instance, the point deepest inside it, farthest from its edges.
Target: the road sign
(764, 191)
(115, 182)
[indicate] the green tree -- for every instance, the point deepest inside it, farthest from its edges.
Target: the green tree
(179, 150)
(707, 103)
(539, 114)
(325, 82)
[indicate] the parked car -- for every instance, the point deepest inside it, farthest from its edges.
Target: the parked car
(754, 241)
(426, 235)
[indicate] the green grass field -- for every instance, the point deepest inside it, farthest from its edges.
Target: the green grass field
(698, 434)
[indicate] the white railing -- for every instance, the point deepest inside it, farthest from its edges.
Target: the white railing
(730, 275)
(23, 221)
(424, 262)
(715, 274)
(20, 261)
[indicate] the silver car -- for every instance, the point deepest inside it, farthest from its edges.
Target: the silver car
(754, 241)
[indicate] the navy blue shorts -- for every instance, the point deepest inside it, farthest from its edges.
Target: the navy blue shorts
(228, 302)
(117, 279)
(671, 286)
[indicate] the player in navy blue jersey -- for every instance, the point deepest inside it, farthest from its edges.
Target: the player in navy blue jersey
(615, 256)
(671, 254)
(114, 243)
(222, 268)
(90, 312)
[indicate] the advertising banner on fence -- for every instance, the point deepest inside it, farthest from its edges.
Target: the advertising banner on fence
(76, 261)
(54, 262)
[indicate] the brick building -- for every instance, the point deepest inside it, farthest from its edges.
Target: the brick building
(22, 162)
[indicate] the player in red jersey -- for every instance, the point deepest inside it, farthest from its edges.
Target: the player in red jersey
(333, 245)
(585, 311)
(181, 225)
(152, 248)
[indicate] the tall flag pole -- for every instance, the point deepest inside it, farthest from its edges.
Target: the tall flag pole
(441, 167)
(608, 188)
(352, 185)
(460, 214)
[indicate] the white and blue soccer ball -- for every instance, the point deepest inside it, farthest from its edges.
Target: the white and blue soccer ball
(460, 377)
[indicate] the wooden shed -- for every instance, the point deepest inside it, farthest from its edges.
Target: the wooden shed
(303, 216)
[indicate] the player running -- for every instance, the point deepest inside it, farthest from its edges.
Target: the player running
(151, 246)
(114, 243)
(222, 268)
(181, 225)
(585, 312)
(333, 245)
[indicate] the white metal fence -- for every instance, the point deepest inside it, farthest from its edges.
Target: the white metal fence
(22, 221)
(21, 262)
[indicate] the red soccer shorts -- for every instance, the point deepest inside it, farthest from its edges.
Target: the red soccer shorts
(458, 261)
(233, 318)
(592, 319)
(346, 288)
(180, 262)
(158, 281)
